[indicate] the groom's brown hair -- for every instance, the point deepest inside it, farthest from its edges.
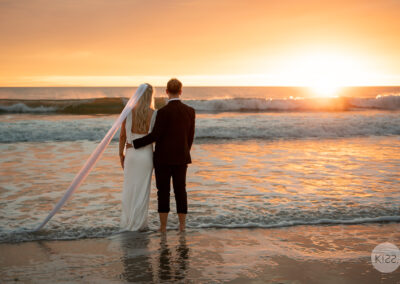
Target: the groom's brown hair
(174, 86)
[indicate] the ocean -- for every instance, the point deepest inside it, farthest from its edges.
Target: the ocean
(263, 157)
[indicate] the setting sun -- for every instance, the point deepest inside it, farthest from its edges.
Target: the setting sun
(324, 72)
(324, 90)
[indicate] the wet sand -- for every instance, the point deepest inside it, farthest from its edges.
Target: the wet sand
(299, 254)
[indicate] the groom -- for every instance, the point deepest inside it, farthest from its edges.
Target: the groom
(173, 133)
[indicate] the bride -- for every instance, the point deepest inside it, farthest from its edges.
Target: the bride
(137, 163)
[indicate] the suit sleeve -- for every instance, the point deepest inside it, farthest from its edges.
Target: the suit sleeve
(191, 131)
(156, 133)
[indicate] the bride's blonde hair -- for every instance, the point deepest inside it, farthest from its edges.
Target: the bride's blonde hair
(140, 112)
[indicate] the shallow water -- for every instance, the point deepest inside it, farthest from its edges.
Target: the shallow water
(231, 183)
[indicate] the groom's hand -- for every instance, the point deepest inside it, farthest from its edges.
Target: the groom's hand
(135, 144)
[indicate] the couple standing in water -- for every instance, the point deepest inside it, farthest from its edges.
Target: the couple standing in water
(172, 129)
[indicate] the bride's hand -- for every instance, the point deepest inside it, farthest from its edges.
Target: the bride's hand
(122, 159)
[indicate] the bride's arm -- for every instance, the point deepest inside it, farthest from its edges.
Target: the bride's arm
(122, 140)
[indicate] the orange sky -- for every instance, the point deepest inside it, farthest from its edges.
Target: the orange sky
(202, 42)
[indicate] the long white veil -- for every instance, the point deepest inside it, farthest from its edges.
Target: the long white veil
(88, 166)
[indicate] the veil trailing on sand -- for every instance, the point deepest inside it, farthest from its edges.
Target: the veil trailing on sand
(88, 166)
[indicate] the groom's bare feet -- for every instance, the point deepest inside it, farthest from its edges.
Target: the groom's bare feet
(182, 221)
(163, 222)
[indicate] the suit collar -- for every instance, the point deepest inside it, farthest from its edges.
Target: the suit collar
(174, 100)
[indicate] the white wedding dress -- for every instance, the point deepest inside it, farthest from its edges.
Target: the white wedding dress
(138, 169)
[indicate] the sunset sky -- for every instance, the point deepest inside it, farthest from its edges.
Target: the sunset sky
(202, 42)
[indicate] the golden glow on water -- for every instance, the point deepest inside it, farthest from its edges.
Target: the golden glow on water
(339, 171)
(230, 183)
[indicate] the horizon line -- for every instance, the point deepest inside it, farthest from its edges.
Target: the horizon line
(195, 86)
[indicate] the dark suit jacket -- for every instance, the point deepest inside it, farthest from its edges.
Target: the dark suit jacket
(173, 133)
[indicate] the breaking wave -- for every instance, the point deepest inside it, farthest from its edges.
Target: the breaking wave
(115, 105)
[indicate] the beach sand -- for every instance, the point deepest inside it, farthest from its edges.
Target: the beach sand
(299, 254)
